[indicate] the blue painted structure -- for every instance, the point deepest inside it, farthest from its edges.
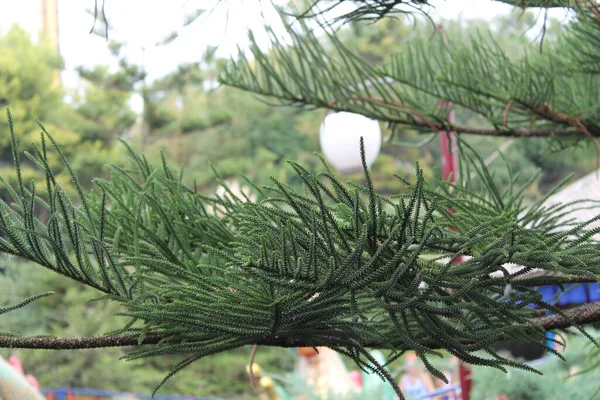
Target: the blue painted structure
(576, 293)
(446, 390)
(63, 394)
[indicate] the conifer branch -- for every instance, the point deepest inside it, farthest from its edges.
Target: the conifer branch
(51, 343)
(338, 265)
(376, 9)
(582, 314)
(539, 95)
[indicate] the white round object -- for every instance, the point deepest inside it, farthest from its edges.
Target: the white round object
(340, 140)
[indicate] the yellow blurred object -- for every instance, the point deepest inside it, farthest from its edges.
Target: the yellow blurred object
(266, 382)
(266, 386)
(269, 388)
(256, 370)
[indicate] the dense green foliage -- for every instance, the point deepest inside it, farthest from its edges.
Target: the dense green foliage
(69, 314)
(326, 268)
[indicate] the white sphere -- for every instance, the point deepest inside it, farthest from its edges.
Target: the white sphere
(340, 140)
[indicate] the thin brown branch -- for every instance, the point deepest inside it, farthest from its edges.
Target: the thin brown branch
(595, 132)
(445, 126)
(544, 30)
(251, 369)
(105, 19)
(549, 113)
(594, 9)
(95, 15)
(50, 343)
(506, 110)
(574, 128)
(583, 314)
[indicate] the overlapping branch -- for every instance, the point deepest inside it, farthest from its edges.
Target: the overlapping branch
(540, 95)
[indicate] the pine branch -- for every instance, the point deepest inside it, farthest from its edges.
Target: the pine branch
(582, 314)
(52, 244)
(51, 343)
(539, 95)
(25, 302)
(338, 265)
(376, 9)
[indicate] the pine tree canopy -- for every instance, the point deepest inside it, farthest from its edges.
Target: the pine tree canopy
(337, 264)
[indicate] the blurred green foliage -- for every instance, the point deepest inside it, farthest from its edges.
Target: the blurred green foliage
(559, 381)
(86, 124)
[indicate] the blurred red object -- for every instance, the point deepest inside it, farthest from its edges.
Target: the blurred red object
(16, 364)
(356, 379)
(32, 381)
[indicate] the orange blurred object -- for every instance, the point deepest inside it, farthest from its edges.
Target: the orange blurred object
(307, 352)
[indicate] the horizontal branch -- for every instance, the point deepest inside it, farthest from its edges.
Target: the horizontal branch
(431, 126)
(51, 343)
(504, 132)
(376, 9)
(541, 3)
(583, 314)
(518, 132)
(546, 278)
(582, 130)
